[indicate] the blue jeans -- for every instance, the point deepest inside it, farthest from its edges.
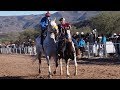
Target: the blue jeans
(42, 36)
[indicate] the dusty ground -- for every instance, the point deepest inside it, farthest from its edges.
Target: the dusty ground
(21, 67)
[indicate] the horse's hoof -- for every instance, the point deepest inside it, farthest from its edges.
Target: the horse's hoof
(68, 76)
(39, 71)
(75, 74)
(40, 77)
(61, 73)
(54, 72)
(50, 76)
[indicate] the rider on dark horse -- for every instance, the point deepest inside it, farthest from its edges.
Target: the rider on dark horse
(44, 24)
(63, 26)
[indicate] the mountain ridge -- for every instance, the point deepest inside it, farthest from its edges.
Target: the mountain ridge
(20, 23)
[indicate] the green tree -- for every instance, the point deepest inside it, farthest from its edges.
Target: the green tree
(106, 22)
(28, 34)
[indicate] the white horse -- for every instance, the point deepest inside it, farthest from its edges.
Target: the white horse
(49, 46)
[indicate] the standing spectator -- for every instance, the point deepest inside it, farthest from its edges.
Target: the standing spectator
(91, 41)
(103, 42)
(118, 44)
(99, 38)
(82, 35)
(81, 45)
(76, 36)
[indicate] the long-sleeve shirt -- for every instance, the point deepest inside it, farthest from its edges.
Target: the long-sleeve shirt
(81, 43)
(44, 23)
(103, 40)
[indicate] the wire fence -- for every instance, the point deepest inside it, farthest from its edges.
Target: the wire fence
(30, 50)
(91, 50)
(102, 50)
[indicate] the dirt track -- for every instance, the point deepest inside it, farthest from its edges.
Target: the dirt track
(21, 67)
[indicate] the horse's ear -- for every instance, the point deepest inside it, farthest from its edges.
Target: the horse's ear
(55, 19)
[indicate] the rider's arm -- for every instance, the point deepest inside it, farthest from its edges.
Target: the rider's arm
(68, 26)
(43, 23)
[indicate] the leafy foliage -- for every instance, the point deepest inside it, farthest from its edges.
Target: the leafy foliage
(107, 22)
(85, 29)
(9, 37)
(28, 34)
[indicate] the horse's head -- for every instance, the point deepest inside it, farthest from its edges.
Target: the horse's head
(53, 28)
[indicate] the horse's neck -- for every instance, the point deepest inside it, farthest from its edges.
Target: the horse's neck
(51, 36)
(69, 34)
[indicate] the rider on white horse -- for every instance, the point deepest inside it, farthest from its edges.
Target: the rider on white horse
(44, 24)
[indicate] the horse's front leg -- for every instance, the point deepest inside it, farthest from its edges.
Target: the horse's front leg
(74, 53)
(75, 64)
(67, 67)
(39, 58)
(49, 70)
(56, 64)
(61, 70)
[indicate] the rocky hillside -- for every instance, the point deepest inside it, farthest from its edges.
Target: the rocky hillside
(20, 23)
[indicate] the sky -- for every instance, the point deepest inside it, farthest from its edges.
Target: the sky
(17, 13)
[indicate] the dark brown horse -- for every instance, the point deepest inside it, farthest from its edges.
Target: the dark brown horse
(66, 51)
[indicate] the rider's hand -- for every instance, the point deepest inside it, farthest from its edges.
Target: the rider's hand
(67, 28)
